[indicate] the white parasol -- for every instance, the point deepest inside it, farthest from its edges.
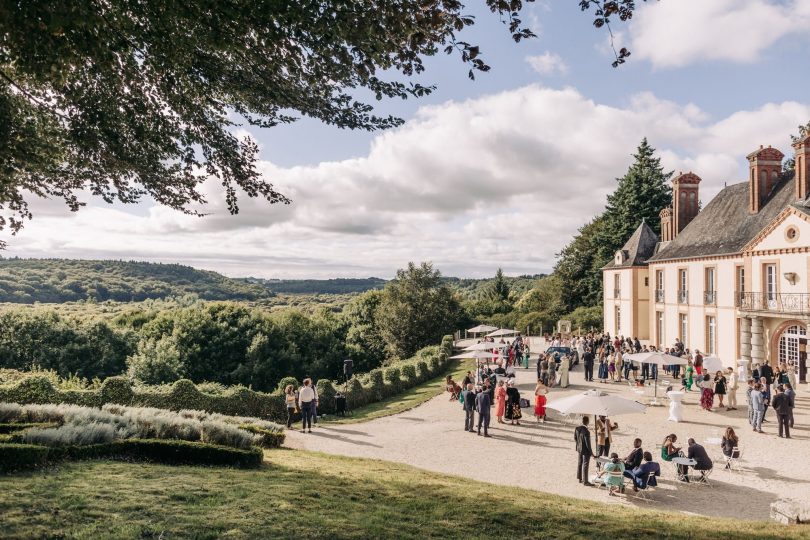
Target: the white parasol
(596, 402)
(502, 332)
(659, 359)
(481, 328)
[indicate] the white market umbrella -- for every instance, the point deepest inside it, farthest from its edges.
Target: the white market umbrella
(712, 364)
(598, 403)
(481, 328)
(484, 346)
(478, 356)
(502, 332)
(659, 359)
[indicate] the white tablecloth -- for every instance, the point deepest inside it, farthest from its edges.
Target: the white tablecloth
(675, 407)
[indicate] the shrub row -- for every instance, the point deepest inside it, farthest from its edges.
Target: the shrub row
(376, 385)
(14, 457)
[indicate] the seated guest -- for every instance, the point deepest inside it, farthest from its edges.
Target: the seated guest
(730, 444)
(453, 388)
(510, 371)
(633, 459)
(499, 370)
(697, 453)
(614, 469)
(668, 448)
(641, 475)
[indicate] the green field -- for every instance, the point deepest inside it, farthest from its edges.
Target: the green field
(306, 495)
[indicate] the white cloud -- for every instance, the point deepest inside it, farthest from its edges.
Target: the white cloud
(678, 33)
(548, 63)
(501, 180)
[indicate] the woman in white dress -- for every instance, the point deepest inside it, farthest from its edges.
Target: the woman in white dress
(564, 372)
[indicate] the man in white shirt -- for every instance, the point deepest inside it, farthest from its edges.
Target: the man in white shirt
(306, 402)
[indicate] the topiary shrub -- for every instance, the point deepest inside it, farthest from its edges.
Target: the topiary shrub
(435, 365)
(356, 396)
(326, 396)
(268, 438)
(376, 387)
(422, 370)
(117, 390)
(392, 377)
(409, 374)
(33, 390)
(282, 384)
(184, 395)
(17, 457)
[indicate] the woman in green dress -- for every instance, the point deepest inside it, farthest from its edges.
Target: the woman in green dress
(687, 377)
(526, 355)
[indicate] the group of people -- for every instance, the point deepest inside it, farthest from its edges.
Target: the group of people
(760, 399)
(303, 400)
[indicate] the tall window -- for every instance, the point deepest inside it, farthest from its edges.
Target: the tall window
(740, 286)
(683, 323)
(770, 282)
(617, 285)
(711, 335)
(709, 292)
(618, 320)
(659, 328)
(789, 345)
(659, 285)
(683, 292)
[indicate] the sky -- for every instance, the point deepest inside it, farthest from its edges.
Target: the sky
(496, 172)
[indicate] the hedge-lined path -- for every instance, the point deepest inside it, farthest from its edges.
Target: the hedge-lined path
(542, 456)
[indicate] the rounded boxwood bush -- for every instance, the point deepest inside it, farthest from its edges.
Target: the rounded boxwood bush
(326, 396)
(117, 390)
(184, 395)
(409, 374)
(282, 384)
(357, 396)
(393, 378)
(435, 365)
(376, 387)
(422, 370)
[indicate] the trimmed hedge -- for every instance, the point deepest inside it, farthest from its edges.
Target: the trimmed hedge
(14, 428)
(15, 457)
(269, 439)
(239, 401)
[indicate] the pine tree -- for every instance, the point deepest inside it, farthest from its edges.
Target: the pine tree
(500, 288)
(640, 195)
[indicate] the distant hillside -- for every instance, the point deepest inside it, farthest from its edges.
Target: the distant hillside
(470, 289)
(65, 280)
(320, 286)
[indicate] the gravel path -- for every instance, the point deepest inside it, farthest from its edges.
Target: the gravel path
(542, 456)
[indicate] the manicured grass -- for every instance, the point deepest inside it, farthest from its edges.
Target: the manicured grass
(306, 495)
(406, 400)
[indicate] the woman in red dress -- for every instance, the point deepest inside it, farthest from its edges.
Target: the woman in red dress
(500, 401)
(540, 392)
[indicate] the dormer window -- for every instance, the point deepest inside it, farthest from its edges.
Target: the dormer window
(619, 257)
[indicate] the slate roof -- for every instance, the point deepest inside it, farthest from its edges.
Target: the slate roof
(725, 226)
(638, 248)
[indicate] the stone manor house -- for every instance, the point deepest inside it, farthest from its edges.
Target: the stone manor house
(733, 279)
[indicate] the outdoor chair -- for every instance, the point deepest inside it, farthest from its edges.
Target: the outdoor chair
(734, 463)
(644, 493)
(701, 477)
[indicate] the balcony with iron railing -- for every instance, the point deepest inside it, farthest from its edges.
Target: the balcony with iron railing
(793, 303)
(683, 296)
(709, 298)
(659, 296)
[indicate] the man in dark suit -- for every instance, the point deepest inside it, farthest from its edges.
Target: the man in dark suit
(582, 437)
(468, 399)
(781, 405)
(702, 460)
(482, 405)
(633, 459)
(587, 361)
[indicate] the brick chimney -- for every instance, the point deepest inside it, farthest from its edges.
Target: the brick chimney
(802, 157)
(684, 201)
(666, 224)
(764, 168)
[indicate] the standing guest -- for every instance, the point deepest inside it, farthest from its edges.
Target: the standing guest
(482, 406)
(526, 353)
(698, 362)
(612, 369)
(540, 391)
(782, 376)
(688, 380)
(748, 391)
(603, 369)
(315, 405)
(732, 389)
(781, 405)
(468, 404)
(758, 406)
(587, 363)
(729, 443)
(706, 392)
(566, 360)
(626, 364)
(766, 395)
(468, 379)
(500, 401)
(792, 376)
(791, 394)
(513, 413)
(289, 399)
(552, 371)
(544, 363)
(765, 370)
(633, 459)
(604, 435)
(306, 403)
(720, 387)
(582, 437)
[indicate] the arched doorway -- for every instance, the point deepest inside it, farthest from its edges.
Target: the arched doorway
(790, 347)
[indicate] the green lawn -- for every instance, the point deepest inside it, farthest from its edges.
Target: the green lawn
(306, 495)
(406, 400)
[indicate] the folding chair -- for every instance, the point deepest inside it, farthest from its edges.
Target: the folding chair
(734, 462)
(702, 477)
(644, 493)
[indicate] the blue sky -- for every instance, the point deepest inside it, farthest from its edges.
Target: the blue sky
(499, 171)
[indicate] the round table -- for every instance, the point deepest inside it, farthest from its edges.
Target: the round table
(682, 461)
(675, 407)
